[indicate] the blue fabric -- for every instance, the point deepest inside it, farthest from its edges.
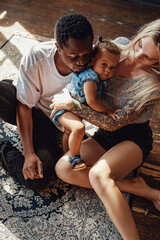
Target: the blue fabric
(76, 89)
(73, 160)
(57, 116)
(76, 86)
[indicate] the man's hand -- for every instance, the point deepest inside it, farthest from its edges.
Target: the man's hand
(33, 167)
(61, 101)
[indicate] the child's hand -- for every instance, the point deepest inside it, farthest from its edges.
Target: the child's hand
(114, 114)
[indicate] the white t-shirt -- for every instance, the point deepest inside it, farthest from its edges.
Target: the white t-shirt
(39, 79)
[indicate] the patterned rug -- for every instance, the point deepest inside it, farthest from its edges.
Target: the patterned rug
(61, 211)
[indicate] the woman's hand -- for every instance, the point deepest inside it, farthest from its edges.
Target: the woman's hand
(61, 101)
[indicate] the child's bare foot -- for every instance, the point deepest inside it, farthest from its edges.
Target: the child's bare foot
(77, 163)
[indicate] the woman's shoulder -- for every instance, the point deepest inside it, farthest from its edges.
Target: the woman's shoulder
(122, 40)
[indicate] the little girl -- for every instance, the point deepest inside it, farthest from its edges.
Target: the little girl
(86, 87)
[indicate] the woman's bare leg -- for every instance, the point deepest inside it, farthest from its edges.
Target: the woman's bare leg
(80, 178)
(103, 182)
(136, 186)
(113, 165)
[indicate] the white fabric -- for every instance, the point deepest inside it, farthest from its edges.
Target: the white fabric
(39, 79)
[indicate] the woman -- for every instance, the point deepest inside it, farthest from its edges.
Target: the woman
(121, 145)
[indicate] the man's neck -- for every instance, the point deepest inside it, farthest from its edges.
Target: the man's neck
(61, 67)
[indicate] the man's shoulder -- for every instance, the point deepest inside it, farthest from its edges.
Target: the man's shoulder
(37, 52)
(43, 48)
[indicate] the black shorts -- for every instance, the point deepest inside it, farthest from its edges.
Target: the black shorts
(141, 134)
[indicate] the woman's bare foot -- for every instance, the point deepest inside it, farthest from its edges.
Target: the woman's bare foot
(139, 187)
(152, 194)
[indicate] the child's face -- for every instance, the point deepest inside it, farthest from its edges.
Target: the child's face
(105, 63)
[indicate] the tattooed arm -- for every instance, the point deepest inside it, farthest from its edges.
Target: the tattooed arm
(127, 114)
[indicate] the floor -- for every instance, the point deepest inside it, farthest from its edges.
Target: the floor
(110, 18)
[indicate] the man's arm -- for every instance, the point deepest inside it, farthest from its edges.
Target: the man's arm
(32, 167)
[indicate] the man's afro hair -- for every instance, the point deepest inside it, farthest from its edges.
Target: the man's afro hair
(74, 26)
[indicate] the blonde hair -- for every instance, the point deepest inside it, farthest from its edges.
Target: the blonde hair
(150, 86)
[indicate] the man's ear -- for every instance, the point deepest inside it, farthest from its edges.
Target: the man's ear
(92, 61)
(58, 48)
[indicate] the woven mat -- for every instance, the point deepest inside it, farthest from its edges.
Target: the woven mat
(61, 211)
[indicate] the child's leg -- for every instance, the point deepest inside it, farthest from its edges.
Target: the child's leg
(65, 140)
(73, 124)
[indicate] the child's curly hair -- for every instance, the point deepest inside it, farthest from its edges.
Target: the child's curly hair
(107, 44)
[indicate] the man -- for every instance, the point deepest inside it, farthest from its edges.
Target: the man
(44, 71)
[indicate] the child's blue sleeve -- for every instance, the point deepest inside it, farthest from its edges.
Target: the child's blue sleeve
(89, 76)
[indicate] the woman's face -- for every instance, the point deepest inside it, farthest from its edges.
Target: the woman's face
(145, 51)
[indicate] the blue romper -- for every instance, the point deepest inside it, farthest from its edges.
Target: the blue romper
(76, 89)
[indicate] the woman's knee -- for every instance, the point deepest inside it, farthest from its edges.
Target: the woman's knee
(63, 171)
(100, 178)
(58, 169)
